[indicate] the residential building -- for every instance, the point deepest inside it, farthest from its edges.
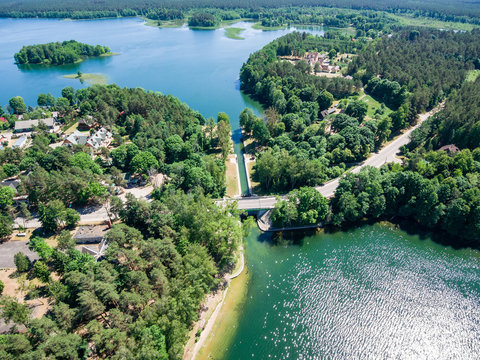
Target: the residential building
(102, 137)
(77, 138)
(86, 123)
(28, 125)
(21, 142)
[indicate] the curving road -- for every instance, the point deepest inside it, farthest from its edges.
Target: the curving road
(387, 154)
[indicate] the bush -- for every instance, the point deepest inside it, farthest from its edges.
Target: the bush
(22, 262)
(2, 286)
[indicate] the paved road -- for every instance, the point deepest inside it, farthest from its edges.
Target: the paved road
(387, 154)
(92, 215)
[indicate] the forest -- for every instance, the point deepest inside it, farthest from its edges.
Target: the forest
(152, 134)
(58, 53)
(437, 188)
(408, 72)
(164, 256)
(140, 300)
(428, 63)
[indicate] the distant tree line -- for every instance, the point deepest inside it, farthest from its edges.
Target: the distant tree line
(460, 10)
(416, 69)
(58, 53)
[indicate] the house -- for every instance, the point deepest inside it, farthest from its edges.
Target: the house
(90, 234)
(13, 183)
(325, 113)
(86, 123)
(451, 149)
(102, 137)
(28, 125)
(77, 138)
(21, 142)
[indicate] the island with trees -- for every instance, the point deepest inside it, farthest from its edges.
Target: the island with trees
(59, 53)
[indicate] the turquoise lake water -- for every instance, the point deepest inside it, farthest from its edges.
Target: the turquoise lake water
(375, 292)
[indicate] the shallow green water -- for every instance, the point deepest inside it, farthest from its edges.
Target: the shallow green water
(371, 293)
(200, 67)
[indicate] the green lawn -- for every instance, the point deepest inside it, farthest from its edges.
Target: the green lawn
(472, 75)
(234, 33)
(373, 105)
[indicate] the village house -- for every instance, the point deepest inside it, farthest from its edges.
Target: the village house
(101, 138)
(451, 149)
(325, 113)
(28, 125)
(77, 138)
(322, 60)
(86, 123)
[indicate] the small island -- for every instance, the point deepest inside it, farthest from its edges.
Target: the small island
(89, 78)
(59, 53)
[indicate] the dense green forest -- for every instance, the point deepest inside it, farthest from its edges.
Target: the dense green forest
(163, 257)
(437, 189)
(58, 53)
(408, 72)
(296, 147)
(137, 303)
(427, 63)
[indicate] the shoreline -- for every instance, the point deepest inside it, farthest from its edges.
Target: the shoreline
(214, 304)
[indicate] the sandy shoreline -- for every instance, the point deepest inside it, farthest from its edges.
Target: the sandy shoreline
(207, 318)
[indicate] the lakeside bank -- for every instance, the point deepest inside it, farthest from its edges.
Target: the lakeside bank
(219, 315)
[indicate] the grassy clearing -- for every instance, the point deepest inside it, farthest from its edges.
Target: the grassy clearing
(89, 78)
(226, 323)
(234, 33)
(373, 106)
(71, 129)
(432, 23)
(232, 177)
(472, 75)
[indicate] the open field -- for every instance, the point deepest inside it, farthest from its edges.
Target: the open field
(472, 75)
(374, 105)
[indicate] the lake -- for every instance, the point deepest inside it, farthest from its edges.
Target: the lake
(200, 67)
(375, 292)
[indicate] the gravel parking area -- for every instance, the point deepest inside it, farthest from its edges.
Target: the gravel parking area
(8, 251)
